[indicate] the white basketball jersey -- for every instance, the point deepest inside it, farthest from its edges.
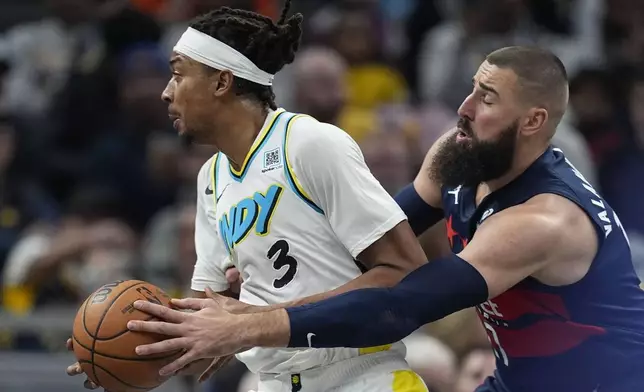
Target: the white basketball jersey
(292, 220)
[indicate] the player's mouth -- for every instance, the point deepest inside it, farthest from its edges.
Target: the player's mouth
(462, 135)
(464, 130)
(176, 121)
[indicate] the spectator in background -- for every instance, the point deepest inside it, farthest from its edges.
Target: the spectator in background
(370, 81)
(22, 201)
(168, 244)
(318, 84)
(4, 72)
(44, 53)
(88, 100)
(476, 366)
(432, 360)
(576, 148)
(593, 108)
(453, 50)
(623, 32)
(137, 152)
(623, 175)
(64, 263)
(391, 149)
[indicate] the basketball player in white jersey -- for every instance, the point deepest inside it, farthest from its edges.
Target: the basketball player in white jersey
(288, 200)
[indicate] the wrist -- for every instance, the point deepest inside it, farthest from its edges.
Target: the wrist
(264, 329)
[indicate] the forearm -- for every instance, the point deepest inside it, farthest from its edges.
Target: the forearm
(381, 276)
(420, 215)
(377, 316)
(373, 316)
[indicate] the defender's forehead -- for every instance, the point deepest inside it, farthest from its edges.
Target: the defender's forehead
(494, 79)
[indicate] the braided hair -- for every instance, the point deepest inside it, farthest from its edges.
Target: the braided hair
(268, 44)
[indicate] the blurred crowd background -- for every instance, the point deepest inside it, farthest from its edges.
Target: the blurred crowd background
(96, 186)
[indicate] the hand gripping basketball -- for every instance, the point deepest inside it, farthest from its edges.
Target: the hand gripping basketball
(203, 368)
(211, 331)
(75, 369)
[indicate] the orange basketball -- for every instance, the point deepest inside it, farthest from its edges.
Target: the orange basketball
(105, 347)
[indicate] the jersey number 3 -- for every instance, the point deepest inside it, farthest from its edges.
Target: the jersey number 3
(279, 254)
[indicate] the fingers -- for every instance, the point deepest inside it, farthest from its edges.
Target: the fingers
(232, 275)
(234, 279)
(69, 344)
(190, 303)
(74, 370)
(159, 327)
(178, 364)
(160, 311)
(88, 384)
(164, 346)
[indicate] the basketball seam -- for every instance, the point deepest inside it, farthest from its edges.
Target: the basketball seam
(85, 308)
(100, 321)
(116, 378)
(134, 359)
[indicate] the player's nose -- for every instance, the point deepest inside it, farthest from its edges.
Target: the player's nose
(166, 95)
(466, 110)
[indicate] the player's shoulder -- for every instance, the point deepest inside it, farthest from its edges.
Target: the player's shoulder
(554, 221)
(206, 170)
(307, 133)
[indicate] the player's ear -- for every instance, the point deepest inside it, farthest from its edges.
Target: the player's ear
(222, 82)
(534, 121)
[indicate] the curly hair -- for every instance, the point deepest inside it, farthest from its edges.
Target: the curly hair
(268, 44)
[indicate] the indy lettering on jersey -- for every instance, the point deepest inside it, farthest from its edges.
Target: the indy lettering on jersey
(596, 199)
(252, 212)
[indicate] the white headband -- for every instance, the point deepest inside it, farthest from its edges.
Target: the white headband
(216, 54)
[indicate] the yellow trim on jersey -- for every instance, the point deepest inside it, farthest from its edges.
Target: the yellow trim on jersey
(290, 173)
(213, 178)
(375, 349)
(407, 381)
(257, 144)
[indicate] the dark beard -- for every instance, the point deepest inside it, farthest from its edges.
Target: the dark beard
(473, 162)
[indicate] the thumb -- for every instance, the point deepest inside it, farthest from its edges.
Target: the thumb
(190, 303)
(232, 275)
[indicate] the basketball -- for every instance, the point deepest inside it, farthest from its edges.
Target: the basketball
(105, 347)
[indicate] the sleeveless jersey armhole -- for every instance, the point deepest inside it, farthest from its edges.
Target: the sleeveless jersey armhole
(289, 173)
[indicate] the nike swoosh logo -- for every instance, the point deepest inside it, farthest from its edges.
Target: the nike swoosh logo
(309, 336)
(209, 190)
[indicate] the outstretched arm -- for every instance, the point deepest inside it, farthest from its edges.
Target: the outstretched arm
(508, 247)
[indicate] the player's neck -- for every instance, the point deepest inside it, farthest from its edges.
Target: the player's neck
(245, 123)
(523, 159)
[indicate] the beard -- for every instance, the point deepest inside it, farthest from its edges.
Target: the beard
(473, 161)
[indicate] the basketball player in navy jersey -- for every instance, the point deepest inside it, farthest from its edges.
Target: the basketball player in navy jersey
(535, 248)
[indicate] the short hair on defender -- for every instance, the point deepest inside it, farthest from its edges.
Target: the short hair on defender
(268, 44)
(542, 77)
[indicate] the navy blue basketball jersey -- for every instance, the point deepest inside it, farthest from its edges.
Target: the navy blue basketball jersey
(583, 337)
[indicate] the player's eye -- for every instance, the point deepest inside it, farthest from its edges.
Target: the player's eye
(485, 98)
